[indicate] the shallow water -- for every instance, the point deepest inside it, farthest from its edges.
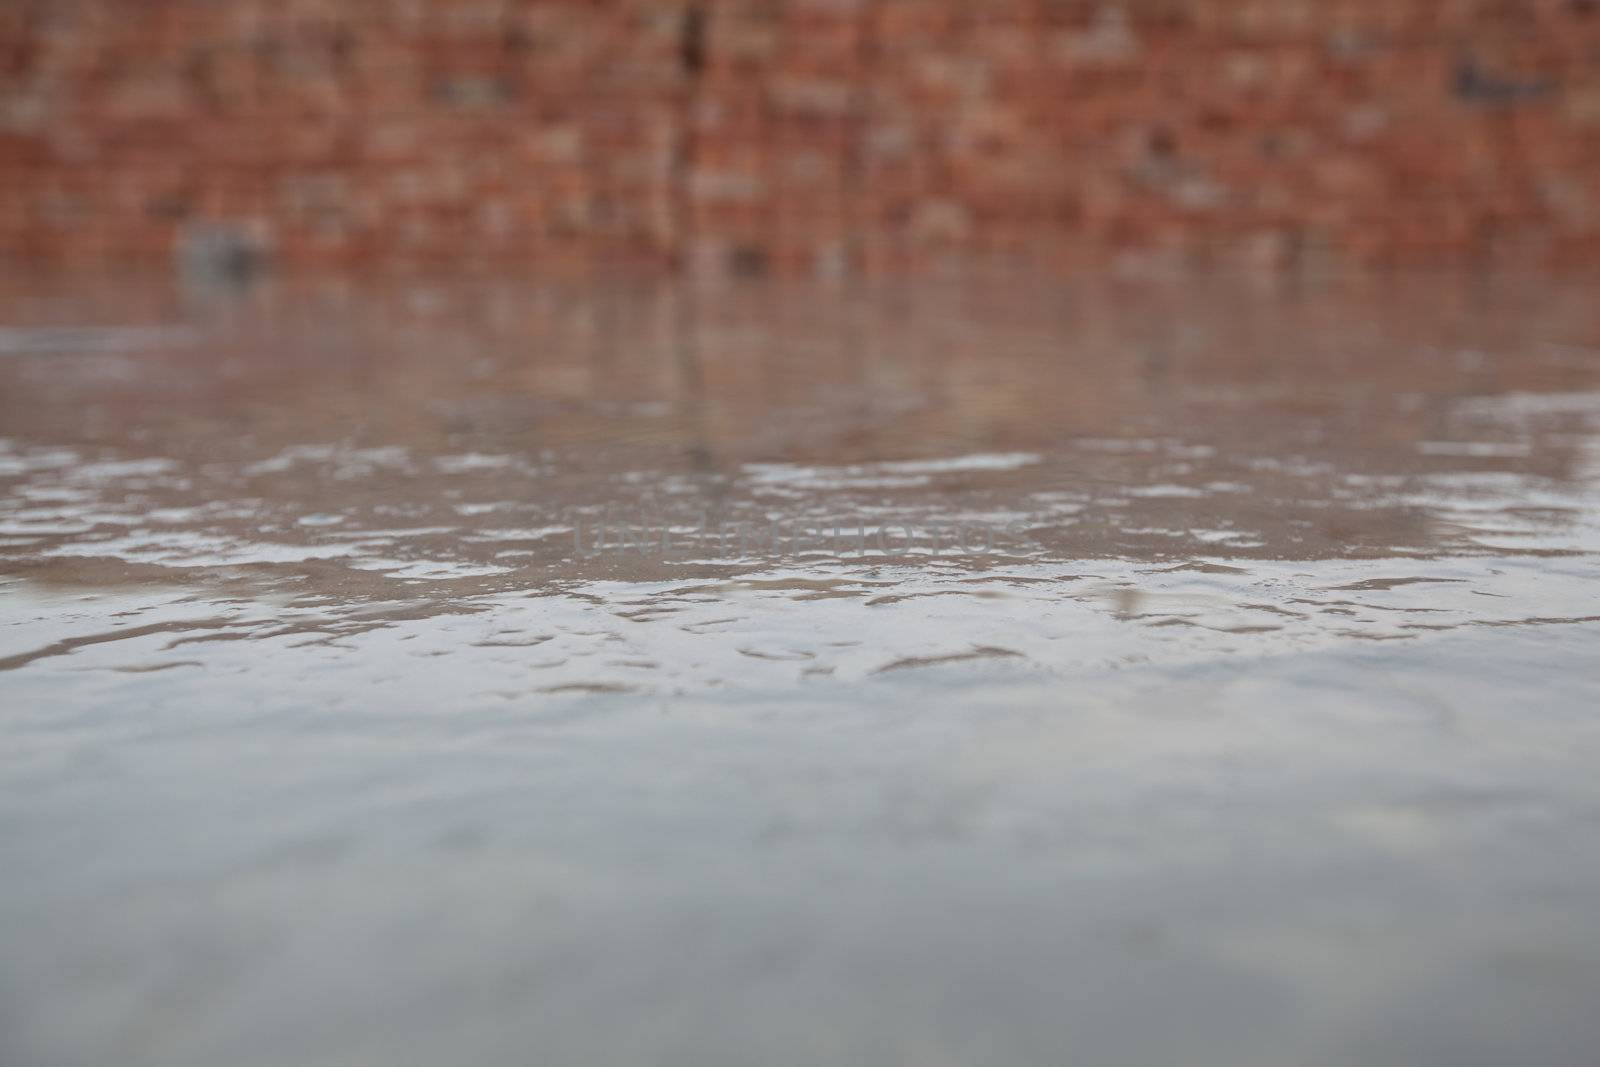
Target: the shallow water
(992, 673)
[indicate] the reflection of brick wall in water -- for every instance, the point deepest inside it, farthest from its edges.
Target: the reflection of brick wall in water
(810, 136)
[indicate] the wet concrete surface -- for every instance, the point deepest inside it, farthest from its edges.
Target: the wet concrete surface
(998, 672)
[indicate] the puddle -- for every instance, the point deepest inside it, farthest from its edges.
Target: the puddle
(935, 673)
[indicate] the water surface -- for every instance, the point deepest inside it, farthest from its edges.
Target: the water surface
(1011, 673)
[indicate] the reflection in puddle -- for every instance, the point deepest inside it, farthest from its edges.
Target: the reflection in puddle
(926, 675)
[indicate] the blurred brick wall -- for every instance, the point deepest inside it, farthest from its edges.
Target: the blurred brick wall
(801, 136)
